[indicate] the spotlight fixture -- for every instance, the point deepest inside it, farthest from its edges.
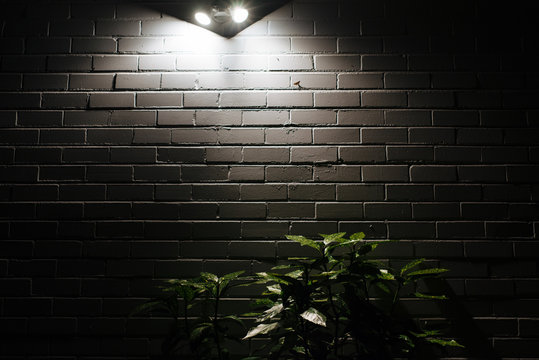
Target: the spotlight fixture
(222, 13)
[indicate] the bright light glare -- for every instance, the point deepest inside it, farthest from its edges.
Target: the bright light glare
(202, 18)
(239, 15)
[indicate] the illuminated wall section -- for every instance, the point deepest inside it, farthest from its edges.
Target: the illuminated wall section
(137, 147)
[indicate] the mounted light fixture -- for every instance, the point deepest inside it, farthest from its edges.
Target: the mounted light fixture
(221, 13)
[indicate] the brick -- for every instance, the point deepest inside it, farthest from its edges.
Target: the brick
(411, 230)
(430, 62)
(362, 154)
(432, 136)
(460, 230)
(10, 81)
(112, 100)
(479, 99)
(204, 173)
(201, 99)
(263, 192)
(243, 62)
(336, 173)
(242, 211)
(383, 99)
(288, 136)
(45, 82)
(107, 211)
(82, 192)
(478, 136)
(313, 117)
(217, 230)
(91, 81)
(454, 80)
(85, 155)
(62, 136)
(180, 154)
(199, 62)
(109, 136)
(140, 45)
(63, 173)
(86, 118)
(117, 27)
(469, 173)
(132, 118)
(157, 173)
(242, 99)
(314, 81)
(313, 154)
(339, 211)
(72, 28)
(136, 155)
(157, 62)
(384, 27)
(383, 62)
(288, 173)
(240, 136)
(457, 192)
(459, 154)
(361, 45)
(434, 211)
(289, 99)
(138, 81)
(175, 117)
(384, 135)
(223, 155)
(410, 153)
(93, 45)
(64, 100)
(433, 173)
(246, 173)
(509, 230)
(286, 27)
(178, 81)
(172, 230)
(130, 192)
(336, 99)
(12, 136)
(266, 80)
(503, 155)
(337, 62)
(361, 81)
(379, 173)
(391, 211)
(109, 173)
(360, 117)
(258, 117)
(352, 192)
(194, 136)
(313, 45)
(406, 81)
(266, 155)
(342, 27)
(290, 62)
(19, 100)
(220, 81)
(291, 210)
(158, 99)
(115, 63)
(256, 44)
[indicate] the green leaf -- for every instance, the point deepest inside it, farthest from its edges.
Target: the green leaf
(284, 267)
(443, 342)
(261, 330)
(209, 277)
(271, 312)
(337, 237)
(232, 276)
(314, 316)
(199, 331)
(386, 275)
(434, 297)
(357, 236)
(427, 272)
(304, 241)
(411, 265)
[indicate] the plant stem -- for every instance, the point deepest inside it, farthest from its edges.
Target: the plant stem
(215, 324)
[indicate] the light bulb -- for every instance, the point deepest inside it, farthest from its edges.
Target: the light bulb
(239, 14)
(202, 18)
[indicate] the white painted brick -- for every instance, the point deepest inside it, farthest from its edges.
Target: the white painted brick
(266, 155)
(360, 45)
(138, 81)
(91, 81)
(313, 117)
(157, 62)
(266, 45)
(112, 100)
(245, 62)
(287, 27)
(290, 98)
(203, 42)
(115, 63)
(290, 62)
(178, 80)
(361, 81)
(337, 62)
(241, 136)
(117, 27)
(313, 154)
(243, 99)
(258, 28)
(163, 27)
(194, 136)
(220, 80)
(336, 99)
(341, 27)
(159, 99)
(198, 62)
(93, 45)
(140, 45)
(360, 117)
(218, 117)
(201, 99)
(266, 80)
(289, 136)
(314, 81)
(314, 44)
(175, 117)
(261, 117)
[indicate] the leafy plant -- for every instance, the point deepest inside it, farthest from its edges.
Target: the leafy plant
(341, 304)
(199, 330)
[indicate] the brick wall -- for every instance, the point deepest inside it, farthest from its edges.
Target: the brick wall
(135, 147)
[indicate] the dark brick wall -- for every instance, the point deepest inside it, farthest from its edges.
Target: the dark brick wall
(135, 148)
